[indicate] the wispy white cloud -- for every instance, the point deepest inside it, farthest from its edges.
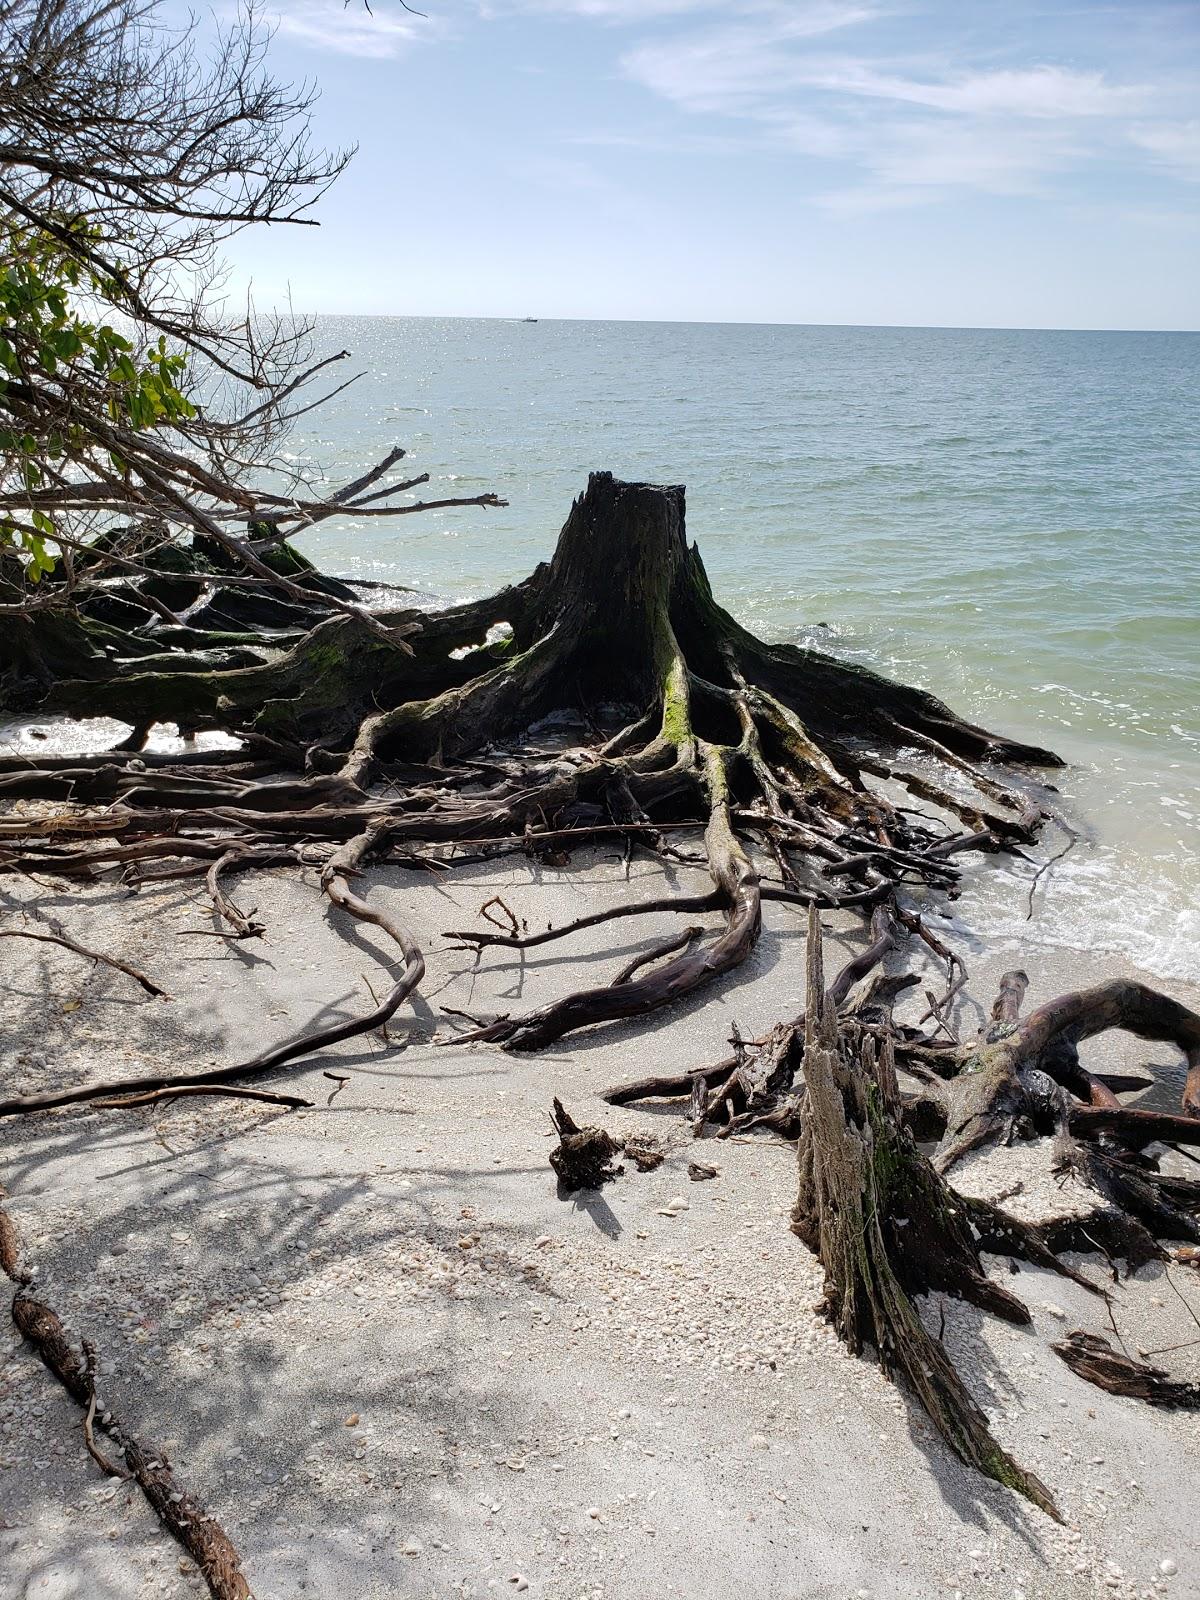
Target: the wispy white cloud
(877, 129)
(1042, 92)
(617, 10)
(913, 163)
(629, 11)
(352, 30)
(905, 131)
(739, 67)
(1175, 145)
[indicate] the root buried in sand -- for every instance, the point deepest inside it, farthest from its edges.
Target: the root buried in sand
(808, 782)
(200, 1534)
(583, 1157)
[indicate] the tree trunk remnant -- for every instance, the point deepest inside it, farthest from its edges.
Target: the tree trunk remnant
(885, 1227)
(409, 738)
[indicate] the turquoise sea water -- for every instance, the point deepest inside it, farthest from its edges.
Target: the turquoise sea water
(1009, 518)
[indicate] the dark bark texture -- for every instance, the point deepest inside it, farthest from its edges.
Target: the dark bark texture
(809, 782)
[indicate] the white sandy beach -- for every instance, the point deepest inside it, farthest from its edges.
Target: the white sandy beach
(393, 1362)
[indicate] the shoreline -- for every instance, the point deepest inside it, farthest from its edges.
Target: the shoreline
(399, 1254)
(1141, 937)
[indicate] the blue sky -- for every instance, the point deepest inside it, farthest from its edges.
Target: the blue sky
(980, 163)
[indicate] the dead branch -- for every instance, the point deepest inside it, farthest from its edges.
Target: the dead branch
(200, 1534)
(146, 983)
(1092, 1358)
(189, 1090)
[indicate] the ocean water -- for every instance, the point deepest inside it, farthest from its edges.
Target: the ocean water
(1009, 518)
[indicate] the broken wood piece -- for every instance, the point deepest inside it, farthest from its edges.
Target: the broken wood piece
(179, 1512)
(583, 1157)
(1091, 1357)
(644, 1150)
(339, 1081)
(674, 1086)
(698, 1110)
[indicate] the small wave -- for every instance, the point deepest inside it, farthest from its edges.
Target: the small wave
(1103, 904)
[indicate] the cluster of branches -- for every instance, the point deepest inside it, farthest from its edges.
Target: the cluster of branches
(137, 406)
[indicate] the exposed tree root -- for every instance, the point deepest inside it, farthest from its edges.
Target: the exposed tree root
(344, 862)
(179, 1512)
(410, 738)
(1091, 1357)
(242, 923)
(746, 740)
(998, 1086)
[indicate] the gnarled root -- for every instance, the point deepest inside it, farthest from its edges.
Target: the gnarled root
(885, 1227)
(200, 1534)
(337, 871)
(1090, 1356)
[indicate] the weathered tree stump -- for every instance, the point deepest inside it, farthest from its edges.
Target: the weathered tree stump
(885, 1228)
(405, 737)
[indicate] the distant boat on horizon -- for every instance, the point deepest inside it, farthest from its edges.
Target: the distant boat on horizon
(528, 319)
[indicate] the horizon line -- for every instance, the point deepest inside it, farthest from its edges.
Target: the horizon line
(726, 322)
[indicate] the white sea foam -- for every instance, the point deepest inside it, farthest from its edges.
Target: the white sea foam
(1005, 518)
(1100, 900)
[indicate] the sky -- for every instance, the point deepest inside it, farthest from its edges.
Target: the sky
(980, 163)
